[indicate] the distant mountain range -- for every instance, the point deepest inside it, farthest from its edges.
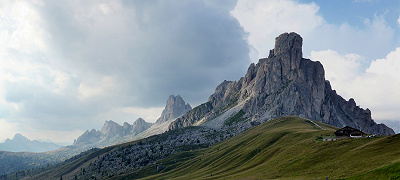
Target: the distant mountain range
(22, 144)
(112, 133)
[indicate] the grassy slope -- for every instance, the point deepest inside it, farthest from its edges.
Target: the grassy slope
(387, 172)
(282, 148)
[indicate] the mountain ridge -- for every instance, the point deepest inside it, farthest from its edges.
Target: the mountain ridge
(112, 133)
(20, 143)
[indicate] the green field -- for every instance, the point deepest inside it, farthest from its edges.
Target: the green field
(284, 148)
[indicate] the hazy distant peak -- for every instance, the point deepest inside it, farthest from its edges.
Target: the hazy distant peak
(20, 137)
(20, 143)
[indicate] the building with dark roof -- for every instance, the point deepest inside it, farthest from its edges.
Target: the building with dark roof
(349, 132)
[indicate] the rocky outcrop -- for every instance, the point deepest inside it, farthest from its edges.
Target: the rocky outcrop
(174, 108)
(286, 84)
(192, 116)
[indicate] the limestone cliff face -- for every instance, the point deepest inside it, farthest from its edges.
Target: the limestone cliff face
(287, 84)
(174, 108)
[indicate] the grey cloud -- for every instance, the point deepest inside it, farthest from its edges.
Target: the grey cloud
(150, 49)
(165, 48)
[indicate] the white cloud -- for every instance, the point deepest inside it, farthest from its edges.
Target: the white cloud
(376, 88)
(148, 114)
(398, 20)
(265, 20)
(340, 70)
(20, 27)
(7, 130)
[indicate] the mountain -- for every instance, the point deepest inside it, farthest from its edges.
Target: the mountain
(139, 126)
(395, 125)
(283, 84)
(88, 137)
(284, 148)
(22, 144)
(174, 108)
(111, 133)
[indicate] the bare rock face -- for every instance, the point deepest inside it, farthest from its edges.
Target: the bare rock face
(174, 108)
(89, 137)
(139, 126)
(111, 129)
(286, 84)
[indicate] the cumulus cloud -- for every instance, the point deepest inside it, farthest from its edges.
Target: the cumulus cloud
(398, 20)
(73, 64)
(340, 70)
(265, 20)
(7, 129)
(377, 87)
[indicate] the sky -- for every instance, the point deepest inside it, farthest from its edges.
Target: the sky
(68, 65)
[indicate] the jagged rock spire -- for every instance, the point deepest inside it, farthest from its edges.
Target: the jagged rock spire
(174, 108)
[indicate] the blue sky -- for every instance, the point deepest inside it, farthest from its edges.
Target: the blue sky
(67, 66)
(354, 12)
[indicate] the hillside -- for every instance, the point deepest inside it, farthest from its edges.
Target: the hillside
(287, 147)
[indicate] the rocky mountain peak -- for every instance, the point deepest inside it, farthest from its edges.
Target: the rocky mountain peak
(174, 108)
(138, 122)
(289, 43)
(111, 129)
(139, 126)
(284, 84)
